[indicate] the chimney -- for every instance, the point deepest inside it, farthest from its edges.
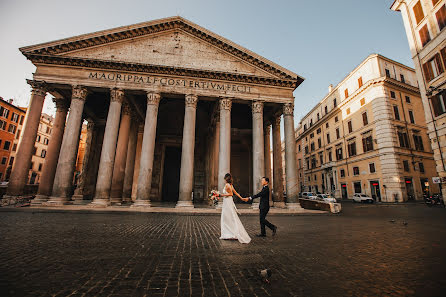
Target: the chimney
(10, 101)
(330, 88)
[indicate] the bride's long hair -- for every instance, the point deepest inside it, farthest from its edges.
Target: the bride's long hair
(228, 178)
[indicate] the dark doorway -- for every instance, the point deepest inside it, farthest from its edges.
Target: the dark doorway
(344, 191)
(171, 175)
(409, 189)
(376, 193)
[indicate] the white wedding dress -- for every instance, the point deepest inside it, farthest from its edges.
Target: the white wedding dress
(231, 226)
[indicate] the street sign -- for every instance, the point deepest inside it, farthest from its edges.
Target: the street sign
(436, 180)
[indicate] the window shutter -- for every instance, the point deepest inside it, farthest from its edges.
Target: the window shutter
(418, 12)
(427, 71)
(436, 105)
(439, 64)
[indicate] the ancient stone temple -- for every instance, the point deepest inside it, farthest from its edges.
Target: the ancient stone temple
(171, 107)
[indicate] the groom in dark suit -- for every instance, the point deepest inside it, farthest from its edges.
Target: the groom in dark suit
(264, 207)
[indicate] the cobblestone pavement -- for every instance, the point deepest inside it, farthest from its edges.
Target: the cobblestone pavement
(357, 253)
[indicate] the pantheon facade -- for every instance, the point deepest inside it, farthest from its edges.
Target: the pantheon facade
(170, 109)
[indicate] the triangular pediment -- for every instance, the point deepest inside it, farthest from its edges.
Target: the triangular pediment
(172, 42)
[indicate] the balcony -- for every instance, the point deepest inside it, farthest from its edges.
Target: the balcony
(328, 165)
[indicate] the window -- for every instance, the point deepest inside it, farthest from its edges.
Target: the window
(312, 135)
(337, 133)
(34, 151)
(6, 145)
(411, 118)
(339, 155)
(421, 166)
(418, 12)
(365, 120)
(38, 138)
(402, 78)
(407, 99)
(46, 140)
(360, 82)
(334, 103)
(406, 165)
(367, 143)
(357, 187)
(313, 162)
(43, 153)
(424, 35)
(17, 135)
(439, 103)
(2, 125)
(336, 119)
(47, 130)
(348, 111)
(298, 148)
(12, 128)
(418, 141)
(11, 161)
(300, 163)
(328, 137)
(350, 127)
(387, 72)
(342, 172)
(305, 127)
(21, 120)
(31, 165)
(309, 178)
(14, 147)
(318, 117)
(307, 160)
(321, 158)
(330, 157)
(326, 109)
(392, 95)
(396, 113)
(306, 149)
(311, 122)
(351, 149)
(372, 167)
(362, 101)
(355, 170)
(346, 93)
(4, 159)
(433, 68)
(326, 125)
(4, 112)
(319, 143)
(441, 17)
(318, 131)
(404, 140)
(312, 146)
(15, 117)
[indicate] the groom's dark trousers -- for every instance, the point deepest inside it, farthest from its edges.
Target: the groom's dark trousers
(264, 208)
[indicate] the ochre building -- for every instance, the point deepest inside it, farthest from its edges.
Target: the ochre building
(171, 107)
(368, 135)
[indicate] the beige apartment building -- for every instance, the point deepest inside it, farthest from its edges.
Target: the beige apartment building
(368, 135)
(40, 147)
(424, 22)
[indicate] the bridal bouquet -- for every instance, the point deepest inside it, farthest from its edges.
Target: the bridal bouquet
(214, 196)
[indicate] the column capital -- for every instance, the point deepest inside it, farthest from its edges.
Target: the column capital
(257, 106)
(61, 104)
(38, 87)
(79, 92)
(267, 128)
(153, 98)
(116, 95)
(276, 120)
(288, 109)
(191, 100)
(126, 109)
(225, 103)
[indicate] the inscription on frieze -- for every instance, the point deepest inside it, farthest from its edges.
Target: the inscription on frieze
(168, 81)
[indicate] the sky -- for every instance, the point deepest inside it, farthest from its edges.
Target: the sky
(321, 41)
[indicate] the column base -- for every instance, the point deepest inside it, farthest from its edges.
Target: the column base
(39, 200)
(57, 201)
(80, 200)
(115, 201)
(184, 204)
(280, 204)
(100, 202)
(255, 205)
(127, 201)
(294, 206)
(141, 203)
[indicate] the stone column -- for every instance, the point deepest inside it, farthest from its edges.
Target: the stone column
(63, 181)
(187, 153)
(78, 196)
(147, 152)
(20, 169)
(258, 156)
(267, 150)
(121, 156)
(216, 151)
(130, 163)
(290, 157)
(277, 165)
(224, 155)
(103, 184)
(50, 165)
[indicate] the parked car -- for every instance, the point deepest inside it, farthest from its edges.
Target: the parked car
(307, 195)
(362, 198)
(326, 198)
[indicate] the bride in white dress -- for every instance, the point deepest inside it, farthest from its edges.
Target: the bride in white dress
(231, 226)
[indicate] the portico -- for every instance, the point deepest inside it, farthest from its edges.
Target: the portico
(203, 104)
